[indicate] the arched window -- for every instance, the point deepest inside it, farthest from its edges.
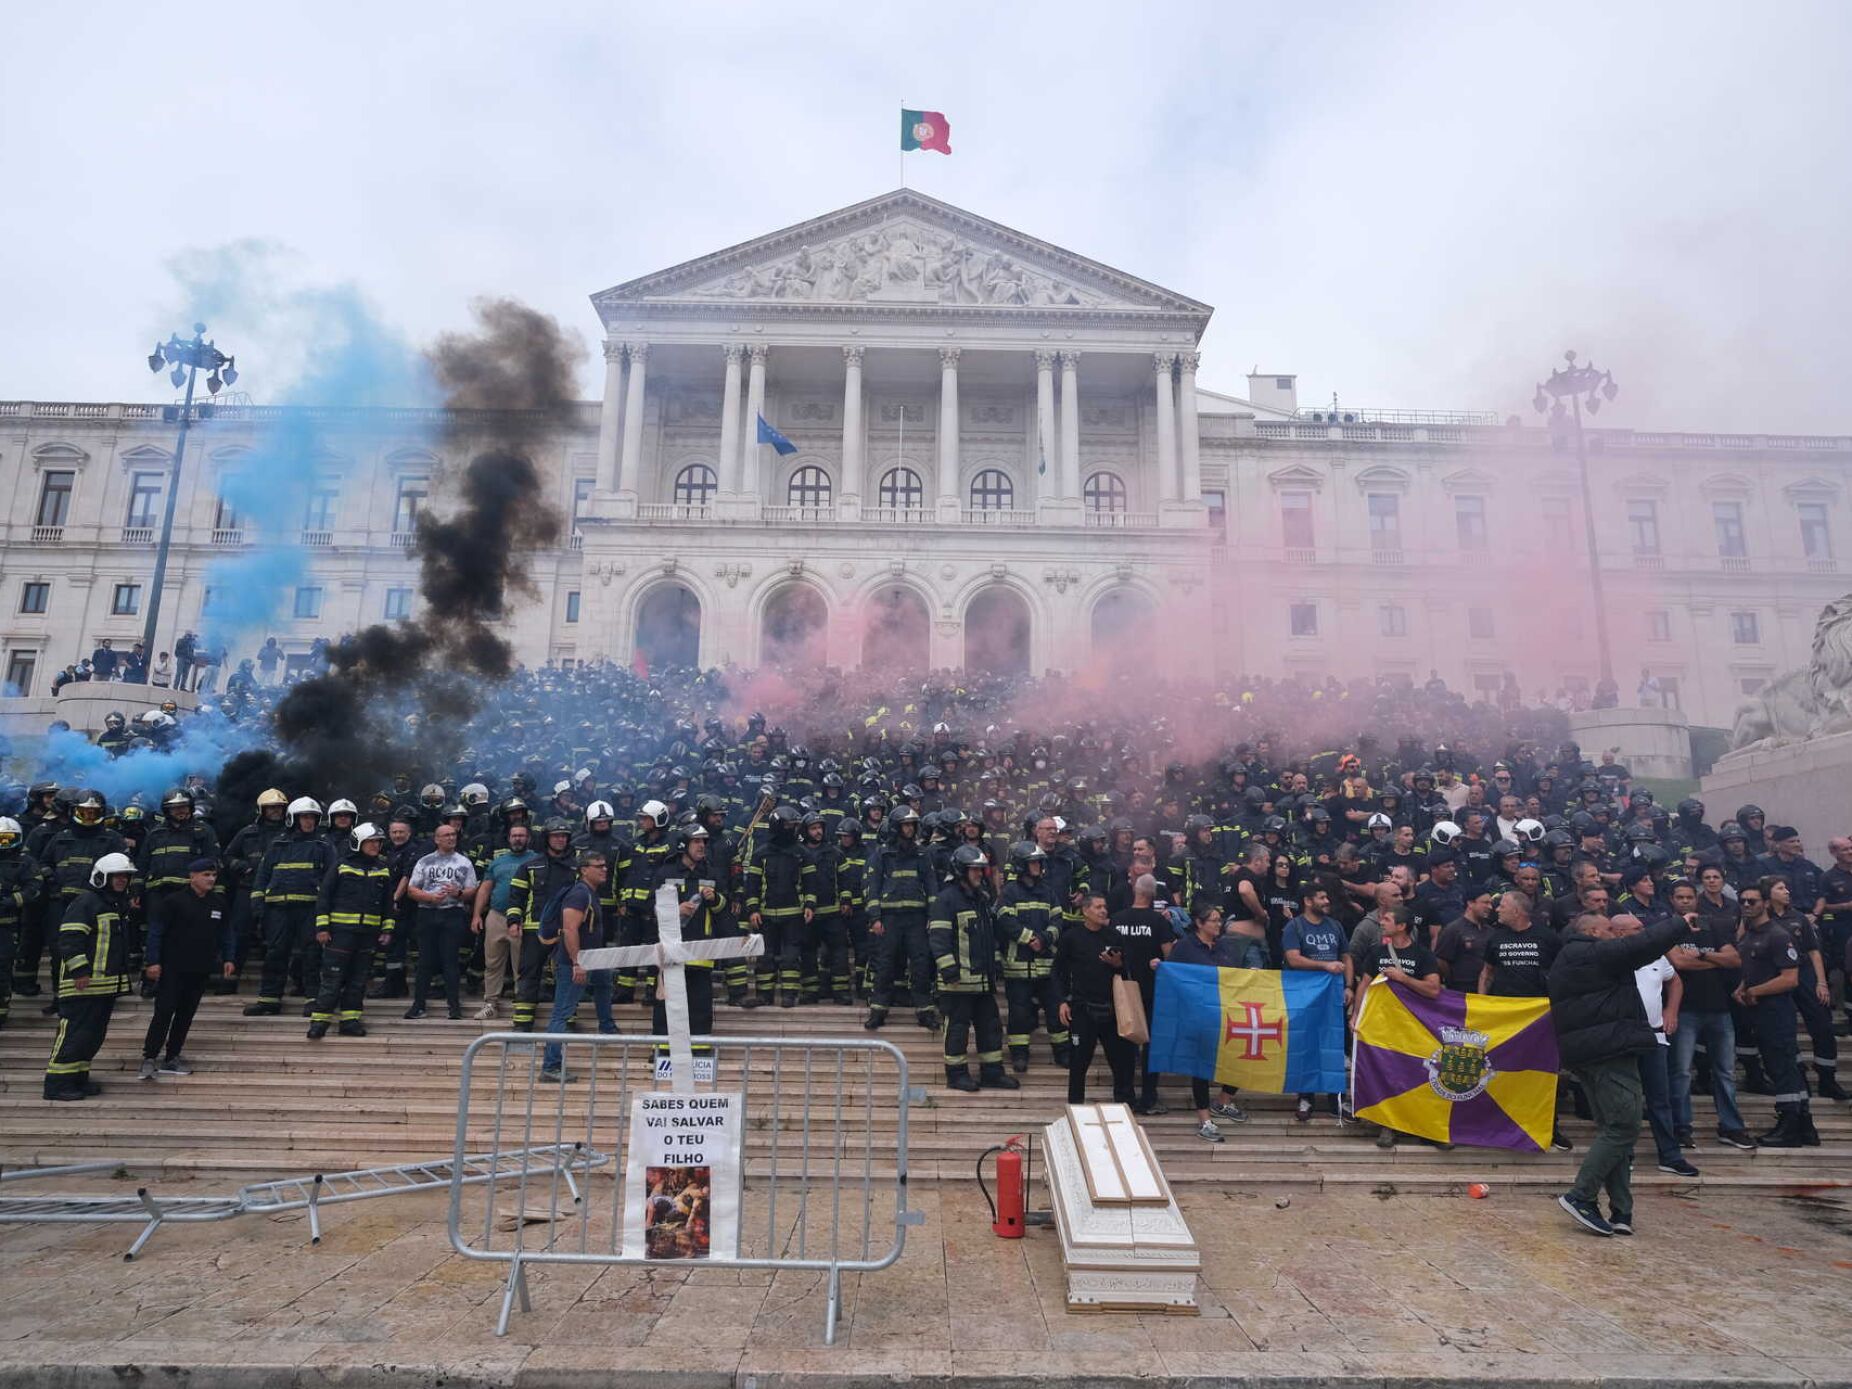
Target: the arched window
(992, 490)
(694, 485)
(1104, 492)
(809, 487)
(900, 489)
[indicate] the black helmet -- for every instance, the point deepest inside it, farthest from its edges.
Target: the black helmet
(1273, 824)
(1025, 853)
(969, 856)
(1192, 824)
(1641, 834)
(1651, 857)
(1255, 796)
(1691, 808)
(1583, 823)
(1640, 797)
(1745, 813)
(557, 824)
(1504, 848)
(1731, 830)
(1318, 815)
(176, 798)
(904, 815)
(849, 829)
(1558, 839)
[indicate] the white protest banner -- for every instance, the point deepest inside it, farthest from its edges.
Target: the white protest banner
(682, 1180)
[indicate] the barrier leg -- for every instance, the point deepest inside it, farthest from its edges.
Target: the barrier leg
(315, 1215)
(155, 1217)
(516, 1286)
(832, 1305)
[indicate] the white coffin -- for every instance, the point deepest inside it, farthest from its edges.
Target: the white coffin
(1122, 1237)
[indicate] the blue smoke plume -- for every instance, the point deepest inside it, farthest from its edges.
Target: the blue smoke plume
(206, 741)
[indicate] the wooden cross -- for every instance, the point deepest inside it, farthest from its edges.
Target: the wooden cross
(670, 955)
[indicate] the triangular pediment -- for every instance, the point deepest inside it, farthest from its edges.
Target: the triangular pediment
(903, 248)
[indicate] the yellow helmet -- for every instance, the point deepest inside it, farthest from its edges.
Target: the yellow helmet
(271, 797)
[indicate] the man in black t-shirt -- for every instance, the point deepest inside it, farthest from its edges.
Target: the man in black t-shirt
(1836, 918)
(1400, 957)
(1441, 898)
(1144, 931)
(1461, 948)
(1707, 964)
(1517, 963)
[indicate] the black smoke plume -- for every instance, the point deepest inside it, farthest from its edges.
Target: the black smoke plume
(394, 693)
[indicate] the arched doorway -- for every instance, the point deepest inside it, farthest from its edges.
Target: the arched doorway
(795, 628)
(669, 627)
(896, 633)
(997, 632)
(1124, 631)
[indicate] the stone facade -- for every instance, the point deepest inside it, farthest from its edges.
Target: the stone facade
(1003, 458)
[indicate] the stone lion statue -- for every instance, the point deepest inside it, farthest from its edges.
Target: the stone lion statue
(1810, 702)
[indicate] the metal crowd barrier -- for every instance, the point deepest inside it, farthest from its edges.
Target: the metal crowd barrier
(289, 1194)
(823, 1181)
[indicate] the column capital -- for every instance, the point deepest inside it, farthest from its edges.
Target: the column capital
(639, 351)
(731, 351)
(852, 356)
(1070, 360)
(613, 350)
(948, 356)
(1189, 361)
(1045, 361)
(757, 351)
(1162, 362)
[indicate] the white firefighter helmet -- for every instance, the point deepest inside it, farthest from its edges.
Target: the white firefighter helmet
(1529, 831)
(108, 866)
(1446, 832)
(9, 829)
(305, 805)
(1379, 821)
(599, 810)
(656, 811)
(364, 832)
(475, 794)
(343, 807)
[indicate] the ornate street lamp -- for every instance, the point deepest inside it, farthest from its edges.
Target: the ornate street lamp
(1582, 386)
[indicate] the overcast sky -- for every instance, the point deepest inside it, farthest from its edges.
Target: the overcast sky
(1414, 206)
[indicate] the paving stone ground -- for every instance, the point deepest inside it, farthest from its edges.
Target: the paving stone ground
(1337, 1287)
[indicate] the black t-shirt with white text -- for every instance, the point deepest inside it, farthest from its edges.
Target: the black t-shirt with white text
(1521, 961)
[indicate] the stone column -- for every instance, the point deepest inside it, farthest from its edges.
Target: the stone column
(630, 465)
(729, 461)
(1070, 425)
(1189, 438)
(611, 411)
(1047, 460)
(948, 432)
(750, 483)
(852, 432)
(1163, 363)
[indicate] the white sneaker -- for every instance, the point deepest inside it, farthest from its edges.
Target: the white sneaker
(485, 1012)
(1209, 1133)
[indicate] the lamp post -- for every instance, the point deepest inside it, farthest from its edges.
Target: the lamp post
(184, 360)
(1581, 385)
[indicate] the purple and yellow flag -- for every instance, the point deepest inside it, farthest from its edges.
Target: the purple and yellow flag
(1461, 1068)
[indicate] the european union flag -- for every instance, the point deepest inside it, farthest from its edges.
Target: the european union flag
(768, 435)
(1260, 1029)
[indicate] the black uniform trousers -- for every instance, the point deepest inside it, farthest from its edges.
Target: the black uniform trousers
(831, 970)
(861, 949)
(530, 965)
(797, 954)
(9, 946)
(39, 925)
(1775, 1018)
(964, 1013)
(83, 1023)
(1817, 1018)
(1096, 1024)
(289, 936)
(1033, 998)
(176, 999)
(347, 959)
(700, 981)
(903, 931)
(440, 945)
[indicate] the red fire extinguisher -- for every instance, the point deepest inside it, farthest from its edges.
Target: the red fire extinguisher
(1012, 1187)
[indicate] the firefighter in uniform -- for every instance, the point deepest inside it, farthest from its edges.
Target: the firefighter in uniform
(851, 879)
(829, 983)
(243, 856)
(703, 912)
(69, 853)
(962, 934)
(92, 973)
(898, 898)
(641, 872)
(352, 913)
(534, 886)
(177, 841)
(781, 903)
(19, 894)
(1028, 925)
(283, 897)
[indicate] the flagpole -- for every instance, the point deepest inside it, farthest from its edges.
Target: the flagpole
(903, 172)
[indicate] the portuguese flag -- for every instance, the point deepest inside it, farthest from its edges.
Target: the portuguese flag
(924, 130)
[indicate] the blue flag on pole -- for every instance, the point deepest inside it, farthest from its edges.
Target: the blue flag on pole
(1260, 1029)
(768, 435)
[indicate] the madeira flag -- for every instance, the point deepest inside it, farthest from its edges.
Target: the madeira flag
(1259, 1029)
(1460, 1068)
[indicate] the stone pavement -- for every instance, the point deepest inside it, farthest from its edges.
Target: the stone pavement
(1337, 1287)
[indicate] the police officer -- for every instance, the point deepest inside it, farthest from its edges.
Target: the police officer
(962, 935)
(283, 896)
(353, 912)
(1771, 973)
(92, 973)
(1028, 925)
(1812, 998)
(898, 898)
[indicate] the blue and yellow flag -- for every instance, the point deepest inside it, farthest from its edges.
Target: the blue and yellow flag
(1259, 1029)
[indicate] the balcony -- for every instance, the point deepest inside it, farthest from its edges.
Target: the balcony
(576, 541)
(674, 511)
(47, 535)
(1733, 564)
(403, 540)
(1388, 554)
(1648, 561)
(1822, 566)
(1119, 520)
(798, 515)
(138, 535)
(1299, 554)
(1002, 517)
(228, 535)
(898, 515)
(317, 540)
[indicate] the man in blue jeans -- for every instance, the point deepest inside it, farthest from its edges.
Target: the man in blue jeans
(1707, 964)
(581, 927)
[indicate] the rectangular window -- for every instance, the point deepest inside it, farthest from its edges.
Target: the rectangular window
(1729, 520)
(1282, 383)
(144, 497)
(398, 603)
(318, 513)
(1479, 624)
(581, 494)
(1643, 525)
(1668, 692)
(1304, 618)
(1392, 620)
(55, 497)
(1556, 521)
(1469, 520)
(1745, 629)
(412, 494)
(226, 517)
(34, 596)
(1296, 520)
(308, 601)
(1658, 625)
(1751, 684)
(1816, 536)
(21, 666)
(1385, 521)
(126, 601)
(1217, 504)
(572, 605)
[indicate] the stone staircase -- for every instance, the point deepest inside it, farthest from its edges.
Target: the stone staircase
(265, 1102)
